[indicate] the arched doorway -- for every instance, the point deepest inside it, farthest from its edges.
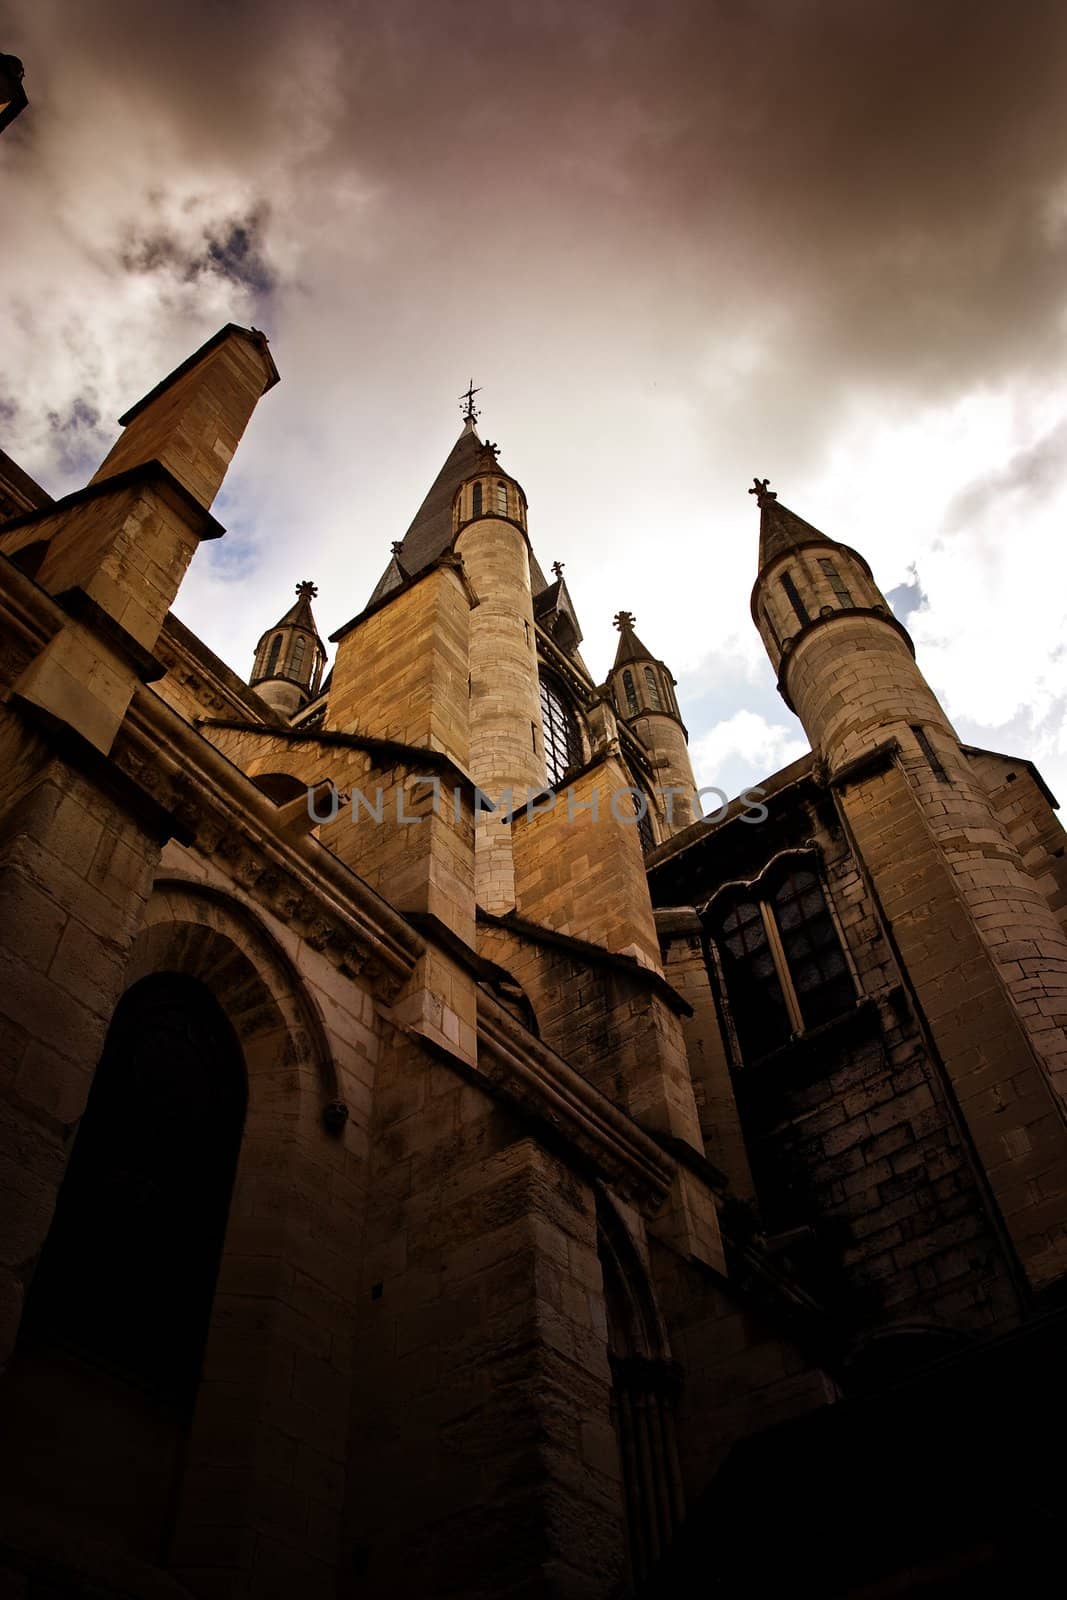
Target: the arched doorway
(645, 1386)
(98, 1401)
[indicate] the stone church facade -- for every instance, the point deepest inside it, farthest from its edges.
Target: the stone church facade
(439, 1162)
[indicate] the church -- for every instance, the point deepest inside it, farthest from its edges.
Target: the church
(438, 1160)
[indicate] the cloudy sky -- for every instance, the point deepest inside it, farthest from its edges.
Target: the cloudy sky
(676, 244)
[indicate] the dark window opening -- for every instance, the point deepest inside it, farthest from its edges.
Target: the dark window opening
(272, 655)
(631, 693)
(837, 583)
(563, 745)
(782, 961)
(476, 501)
(653, 690)
(922, 739)
(100, 1392)
(644, 823)
(128, 1271)
(502, 498)
(793, 597)
(296, 664)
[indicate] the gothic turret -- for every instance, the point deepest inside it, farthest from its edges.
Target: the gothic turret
(642, 689)
(922, 822)
(507, 737)
(290, 657)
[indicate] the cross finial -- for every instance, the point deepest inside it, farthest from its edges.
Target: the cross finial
(624, 619)
(396, 547)
(762, 490)
(557, 568)
(470, 410)
(492, 450)
(306, 590)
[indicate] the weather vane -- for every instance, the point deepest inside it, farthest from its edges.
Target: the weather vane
(470, 410)
(557, 568)
(624, 619)
(762, 490)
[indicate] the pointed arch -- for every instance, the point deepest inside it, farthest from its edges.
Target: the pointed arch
(645, 1386)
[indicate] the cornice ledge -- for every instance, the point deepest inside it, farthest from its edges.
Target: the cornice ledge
(867, 765)
(384, 753)
(224, 816)
(524, 1071)
(584, 950)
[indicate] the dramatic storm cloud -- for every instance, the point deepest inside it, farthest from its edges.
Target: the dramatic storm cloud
(676, 245)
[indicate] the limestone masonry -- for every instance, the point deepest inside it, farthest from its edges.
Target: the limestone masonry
(439, 1162)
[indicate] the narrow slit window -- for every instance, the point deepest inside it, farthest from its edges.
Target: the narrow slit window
(837, 583)
(476, 501)
(792, 595)
(922, 739)
(272, 655)
(631, 693)
(653, 690)
(296, 665)
(502, 498)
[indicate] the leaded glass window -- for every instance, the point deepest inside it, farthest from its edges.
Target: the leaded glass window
(837, 583)
(653, 690)
(631, 693)
(782, 962)
(563, 745)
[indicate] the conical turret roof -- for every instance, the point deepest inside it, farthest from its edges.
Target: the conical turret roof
(430, 532)
(780, 529)
(630, 646)
(299, 614)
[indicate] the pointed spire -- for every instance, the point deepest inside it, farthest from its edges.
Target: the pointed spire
(630, 646)
(780, 528)
(299, 613)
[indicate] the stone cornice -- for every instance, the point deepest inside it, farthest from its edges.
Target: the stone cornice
(147, 475)
(836, 614)
(383, 752)
(583, 950)
(449, 560)
(295, 878)
(528, 1075)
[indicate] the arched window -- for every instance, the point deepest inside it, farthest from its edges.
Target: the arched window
(837, 583)
(102, 1384)
(771, 629)
(476, 500)
(272, 655)
(792, 594)
(631, 693)
(782, 961)
(296, 665)
(653, 690)
(563, 745)
(502, 498)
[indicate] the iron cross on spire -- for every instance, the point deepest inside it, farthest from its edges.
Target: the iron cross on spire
(624, 619)
(470, 410)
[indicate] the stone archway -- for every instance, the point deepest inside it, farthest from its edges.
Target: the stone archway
(645, 1386)
(276, 1373)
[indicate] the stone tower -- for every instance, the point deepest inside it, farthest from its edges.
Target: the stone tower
(985, 953)
(643, 692)
(290, 657)
(507, 739)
